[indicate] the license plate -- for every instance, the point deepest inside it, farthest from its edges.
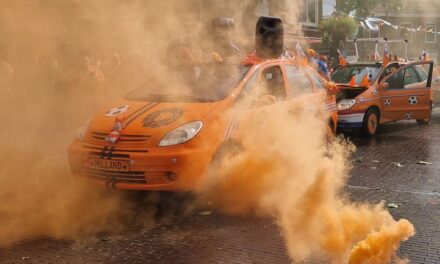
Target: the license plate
(113, 165)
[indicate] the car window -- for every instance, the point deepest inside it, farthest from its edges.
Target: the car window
(319, 84)
(396, 80)
(410, 77)
(272, 82)
(249, 86)
(421, 73)
(299, 83)
(415, 77)
(388, 70)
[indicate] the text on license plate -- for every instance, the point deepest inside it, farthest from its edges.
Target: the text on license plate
(115, 165)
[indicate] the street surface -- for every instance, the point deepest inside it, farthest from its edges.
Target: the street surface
(215, 238)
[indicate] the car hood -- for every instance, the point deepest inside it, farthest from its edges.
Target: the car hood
(349, 92)
(146, 123)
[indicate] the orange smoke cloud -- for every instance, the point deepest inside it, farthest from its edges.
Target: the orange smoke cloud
(286, 170)
(380, 246)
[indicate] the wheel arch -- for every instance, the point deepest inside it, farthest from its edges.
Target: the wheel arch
(332, 123)
(377, 109)
(226, 145)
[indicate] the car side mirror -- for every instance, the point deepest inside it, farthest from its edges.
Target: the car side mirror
(384, 85)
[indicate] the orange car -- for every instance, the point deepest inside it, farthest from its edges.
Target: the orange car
(371, 94)
(165, 139)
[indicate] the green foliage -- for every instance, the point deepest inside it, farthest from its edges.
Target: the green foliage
(335, 30)
(364, 8)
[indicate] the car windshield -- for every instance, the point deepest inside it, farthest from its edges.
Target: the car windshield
(345, 74)
(205, 83)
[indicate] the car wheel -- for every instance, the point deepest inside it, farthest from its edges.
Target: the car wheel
(210, 186)
(370, 123)
(424, 122)
(227, 150)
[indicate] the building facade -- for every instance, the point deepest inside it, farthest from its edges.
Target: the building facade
(423, 14)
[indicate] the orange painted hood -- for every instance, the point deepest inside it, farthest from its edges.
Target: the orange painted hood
(146, 123)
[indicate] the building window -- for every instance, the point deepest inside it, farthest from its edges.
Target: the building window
(430, 35)
(309, 16)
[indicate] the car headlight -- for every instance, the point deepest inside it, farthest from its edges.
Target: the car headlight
(81, 132)
(181, 134)
(346, 104)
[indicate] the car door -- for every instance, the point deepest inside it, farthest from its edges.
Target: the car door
(405, 94)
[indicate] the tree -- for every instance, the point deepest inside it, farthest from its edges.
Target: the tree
(364, 8)
(336, 29)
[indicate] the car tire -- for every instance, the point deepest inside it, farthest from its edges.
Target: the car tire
(210, 185)
(370, 123)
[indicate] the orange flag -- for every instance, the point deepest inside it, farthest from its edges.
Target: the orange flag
(342, 59)
(352, 81)
(366, 81)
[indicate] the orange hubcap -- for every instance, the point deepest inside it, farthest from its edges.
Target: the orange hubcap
(372, 123)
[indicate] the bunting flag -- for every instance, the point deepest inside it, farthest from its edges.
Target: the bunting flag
(342, 59)
(366, 81)
(374, 24)
(352, 81)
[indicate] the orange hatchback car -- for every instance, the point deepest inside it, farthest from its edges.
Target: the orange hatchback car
(371, 94)
(165, 139)
(165, 135)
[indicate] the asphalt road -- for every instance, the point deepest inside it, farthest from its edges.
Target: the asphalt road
(216, 238)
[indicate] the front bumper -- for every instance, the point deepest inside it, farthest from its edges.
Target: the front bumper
(157, 169)
(350, 120)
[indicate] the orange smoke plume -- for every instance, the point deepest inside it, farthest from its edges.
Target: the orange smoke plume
(286, 170)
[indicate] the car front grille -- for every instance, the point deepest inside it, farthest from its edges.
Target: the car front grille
(123, 138)
(135, 177)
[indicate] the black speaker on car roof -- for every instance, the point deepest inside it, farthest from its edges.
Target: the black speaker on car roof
(269, 37)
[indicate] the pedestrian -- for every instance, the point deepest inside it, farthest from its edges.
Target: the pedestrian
(323, 67)
(311, 57)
